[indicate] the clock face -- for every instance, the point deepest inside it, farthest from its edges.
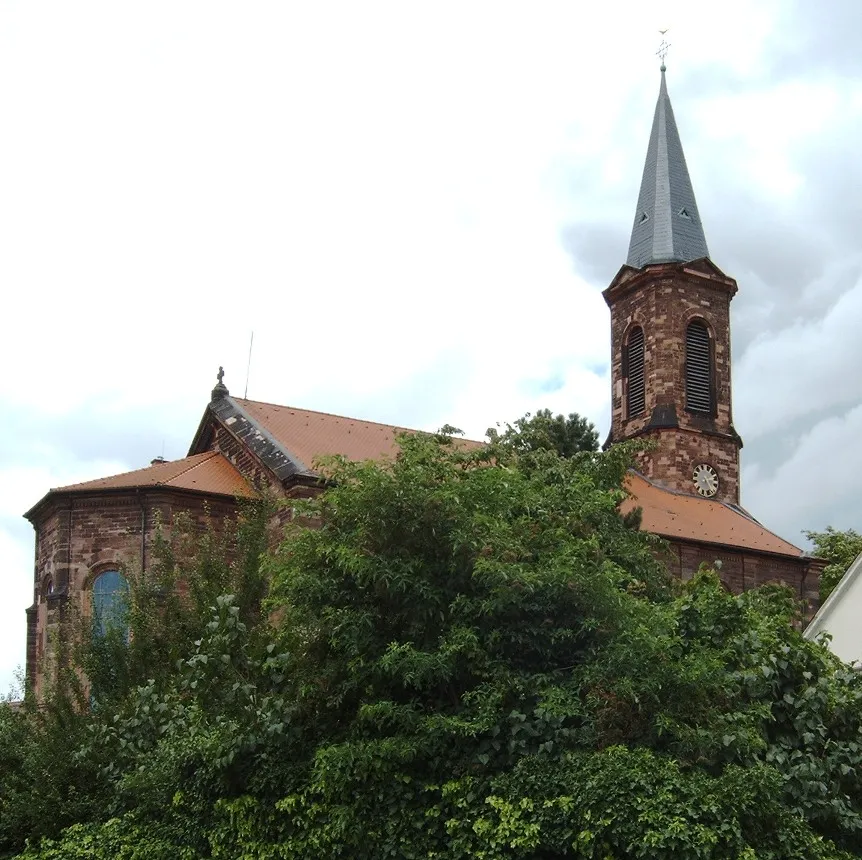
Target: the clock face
(705, 480)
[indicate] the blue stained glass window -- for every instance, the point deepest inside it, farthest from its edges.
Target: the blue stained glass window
(110, 592)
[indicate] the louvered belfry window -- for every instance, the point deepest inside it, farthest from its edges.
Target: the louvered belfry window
(636, 382)
(698, 368)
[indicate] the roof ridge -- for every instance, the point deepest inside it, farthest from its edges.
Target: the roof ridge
(274, 455)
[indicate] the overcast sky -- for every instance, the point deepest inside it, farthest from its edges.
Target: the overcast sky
(415, 207)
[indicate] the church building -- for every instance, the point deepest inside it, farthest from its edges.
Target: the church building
(671, 385)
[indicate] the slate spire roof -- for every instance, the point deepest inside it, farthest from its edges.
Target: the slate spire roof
(667, 225)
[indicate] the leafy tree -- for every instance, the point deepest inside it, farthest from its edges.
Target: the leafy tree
(42, 787)
(840, 549)
(170, 603)
(546, 432)
(472, 655)
(52, 772)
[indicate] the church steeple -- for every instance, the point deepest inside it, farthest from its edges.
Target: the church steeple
(670, 333)
(667, 226)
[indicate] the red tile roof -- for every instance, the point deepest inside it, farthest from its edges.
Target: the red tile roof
(683, 517)
(209, 472)
(308, 435)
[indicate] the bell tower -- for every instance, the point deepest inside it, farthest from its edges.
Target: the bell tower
(670, 332)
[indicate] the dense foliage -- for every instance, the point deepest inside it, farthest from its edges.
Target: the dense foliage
(840, 549)
(544, 431)
(471, 655)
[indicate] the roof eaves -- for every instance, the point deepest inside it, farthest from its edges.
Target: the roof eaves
(734, 547)
(31, 514)
(54, 494)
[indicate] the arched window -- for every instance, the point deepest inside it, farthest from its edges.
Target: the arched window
(634, 372)
(110, 594)
(698, 368)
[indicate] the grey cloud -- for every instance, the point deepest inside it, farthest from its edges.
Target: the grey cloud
(817, 485)
(770, 452)
(817, 38)
(802, 370)
(833, 172)
(597, 250)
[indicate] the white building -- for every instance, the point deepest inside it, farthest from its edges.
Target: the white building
(841, 616)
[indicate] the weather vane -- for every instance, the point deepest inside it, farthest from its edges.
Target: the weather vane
(661, 53)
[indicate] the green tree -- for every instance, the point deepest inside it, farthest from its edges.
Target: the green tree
(840, 549)
(53, 769)
(473, 655)
(545, 431)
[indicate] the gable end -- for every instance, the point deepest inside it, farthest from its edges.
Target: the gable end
(225, 414)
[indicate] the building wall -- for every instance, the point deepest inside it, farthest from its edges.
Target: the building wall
(663, 300)
(79, 537)
(741, 571)
(674, 453)
(839, 617)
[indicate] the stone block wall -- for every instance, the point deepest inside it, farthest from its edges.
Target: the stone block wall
(741, 571)
(663, 300)
(675, 453)
(80, 536)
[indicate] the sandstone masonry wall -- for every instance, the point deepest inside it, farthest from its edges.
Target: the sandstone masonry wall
(741, 571)
(79, 537)
(663, 300)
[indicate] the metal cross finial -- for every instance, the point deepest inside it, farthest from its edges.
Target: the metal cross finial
(661, 53)
(220, 374)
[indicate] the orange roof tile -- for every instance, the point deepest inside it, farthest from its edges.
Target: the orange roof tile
(308, 435)
(684, 517)
(209, 472)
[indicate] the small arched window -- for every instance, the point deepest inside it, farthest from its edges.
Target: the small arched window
(634, 372)
(110, 598)
(698, 368)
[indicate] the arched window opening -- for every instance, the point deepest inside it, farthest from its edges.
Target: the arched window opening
(110, 598)
(635, 375)
(698, 368)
